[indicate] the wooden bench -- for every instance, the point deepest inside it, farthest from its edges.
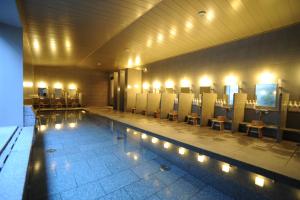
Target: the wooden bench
(220, 120)
(258, 125)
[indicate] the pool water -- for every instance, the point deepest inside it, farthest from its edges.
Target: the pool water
(77, 155)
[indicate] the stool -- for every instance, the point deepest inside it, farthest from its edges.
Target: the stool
(258, 125)
(220, 120)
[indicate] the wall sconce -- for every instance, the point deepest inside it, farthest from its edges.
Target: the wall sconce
(27, 84)
(58, 85)
(42, 84)
(72, 86)
(185, 83)
(156, 85)
(146, 86)
(169, 84)
(231, 80)
(205, 81)
(267, 78)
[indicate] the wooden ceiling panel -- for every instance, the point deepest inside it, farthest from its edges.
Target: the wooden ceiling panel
(115, 32)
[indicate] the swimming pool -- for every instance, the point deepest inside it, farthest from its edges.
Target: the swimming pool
(82, 156)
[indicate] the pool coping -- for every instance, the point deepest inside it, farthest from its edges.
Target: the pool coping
(244, 165)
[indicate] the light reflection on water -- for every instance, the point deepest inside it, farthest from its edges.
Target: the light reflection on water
(230, 179)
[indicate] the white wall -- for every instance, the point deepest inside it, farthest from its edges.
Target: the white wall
(11, 76)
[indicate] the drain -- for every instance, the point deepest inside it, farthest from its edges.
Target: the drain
(164, 168)
(120, 137)
(50, 150)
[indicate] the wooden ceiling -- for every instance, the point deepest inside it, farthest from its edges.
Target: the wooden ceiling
(112, 34)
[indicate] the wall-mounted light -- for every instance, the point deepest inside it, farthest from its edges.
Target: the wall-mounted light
(259, 181)
(267, 78)
(27, 84)
(53, 45)
(136, 86)
(72, 86)
(156, 85)
(146, 86)
(42, 84)
(169, 84)
(58, 85)
(205, 81)
(185, 83)
(231, 80)
(149, 42)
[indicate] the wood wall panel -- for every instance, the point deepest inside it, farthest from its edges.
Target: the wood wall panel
(239, 103)
(184, 105)
(167, 104)
(153, 103)
(208, 107)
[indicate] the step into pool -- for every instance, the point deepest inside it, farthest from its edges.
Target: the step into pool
(77, 155)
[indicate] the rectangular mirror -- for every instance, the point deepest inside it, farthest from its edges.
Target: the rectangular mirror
(58, 93)
(42, 92)
(266, 95)
(72, 93)
(229, 91)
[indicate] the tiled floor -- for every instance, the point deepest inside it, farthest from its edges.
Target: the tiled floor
(265, 153)
(89, 162)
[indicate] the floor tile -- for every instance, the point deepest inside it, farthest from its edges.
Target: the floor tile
(144, 188)
(209, 193)
(84, 192)
(117, 181)
(117, 195)
(145, 169)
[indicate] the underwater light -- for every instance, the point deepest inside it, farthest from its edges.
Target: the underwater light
(154, 140)
(226, 167)
(144, 136)
(135, 132)
(201, 158)
(260, 181)
(167, 145)
(181, 150)
(127, 130)
(135, 157)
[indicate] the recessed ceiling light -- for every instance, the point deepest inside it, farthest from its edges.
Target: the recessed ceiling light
(202, 13)
(99, 63)
(126, 49)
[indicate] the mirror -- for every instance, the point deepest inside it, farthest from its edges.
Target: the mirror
(205, 89)
(42, 92)
(72, 93)
(229, 91)
(58, 93)
(266, 95)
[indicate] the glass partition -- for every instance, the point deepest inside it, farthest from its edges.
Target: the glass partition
(266, 95)
(229, 91)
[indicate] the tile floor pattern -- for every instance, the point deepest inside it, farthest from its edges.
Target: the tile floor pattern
(266, 153)
(90, 163)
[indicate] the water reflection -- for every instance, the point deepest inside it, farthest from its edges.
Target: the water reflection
(59, 120)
